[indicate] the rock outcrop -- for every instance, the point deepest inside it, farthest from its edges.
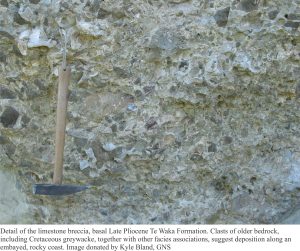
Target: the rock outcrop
(180, 111)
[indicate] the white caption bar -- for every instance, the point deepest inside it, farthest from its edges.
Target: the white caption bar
(148, 237)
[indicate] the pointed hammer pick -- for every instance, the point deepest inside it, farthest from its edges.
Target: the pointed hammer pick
(57, 188)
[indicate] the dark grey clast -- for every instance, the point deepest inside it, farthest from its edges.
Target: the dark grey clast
(52, 189)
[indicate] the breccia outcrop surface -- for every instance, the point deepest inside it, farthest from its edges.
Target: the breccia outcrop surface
(180, 111)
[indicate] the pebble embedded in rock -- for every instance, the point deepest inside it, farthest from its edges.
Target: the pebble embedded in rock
(9, 117)
(273, 14)
(40, 84)
(2, 57)
(227, 140)
(151, 123)
(7, 145)
(212, 147)
(90, 154)
(94, 28)
(221, 17)
(25, 120)
(10, 149)
(114, 128)
(4, 3)
(102, 14)
(20, 20)
(291, 24)
(132, 107)
(38, 38)
(109, 147)
(27, 14)
(121, 72)
(6, 93)
(100, 154)
(165, 39)
(249, 5)
(293, 16)
(104, 211)
(148, 89)
(83, 164)
(139, 95)
(80, 142)
(3, 140)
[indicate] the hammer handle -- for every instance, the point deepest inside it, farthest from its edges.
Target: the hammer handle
(61, 112)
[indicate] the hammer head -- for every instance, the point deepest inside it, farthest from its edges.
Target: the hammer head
(53, 189)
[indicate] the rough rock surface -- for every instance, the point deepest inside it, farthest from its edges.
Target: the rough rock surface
(180, 111)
